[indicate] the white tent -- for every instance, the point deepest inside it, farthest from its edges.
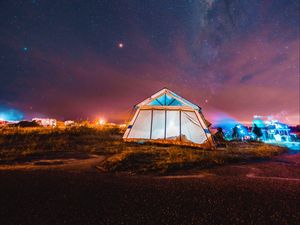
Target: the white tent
(168, 118)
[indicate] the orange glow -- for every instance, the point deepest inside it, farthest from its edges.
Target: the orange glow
(102, 121)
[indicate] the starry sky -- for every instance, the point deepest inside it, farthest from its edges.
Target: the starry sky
(87, 59)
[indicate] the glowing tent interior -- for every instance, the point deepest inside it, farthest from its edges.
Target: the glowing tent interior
(168, 118)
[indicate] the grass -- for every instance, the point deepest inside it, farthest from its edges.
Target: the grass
(170, 159)
(18, 143)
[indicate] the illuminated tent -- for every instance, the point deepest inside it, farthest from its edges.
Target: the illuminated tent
(168, 118)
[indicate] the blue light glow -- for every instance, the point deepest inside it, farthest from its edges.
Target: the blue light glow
(258, 121)
(273, 130)
(9, 114)
(229, 125)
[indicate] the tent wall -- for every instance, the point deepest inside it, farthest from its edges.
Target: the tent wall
(130, 125)
(142, 125)
(191, 128)
(186, 126)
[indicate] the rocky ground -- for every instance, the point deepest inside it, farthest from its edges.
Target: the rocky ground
(71, 190)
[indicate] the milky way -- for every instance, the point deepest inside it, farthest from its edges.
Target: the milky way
(84, 59)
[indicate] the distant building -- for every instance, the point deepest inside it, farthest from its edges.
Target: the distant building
(45, 122)
(69, 123)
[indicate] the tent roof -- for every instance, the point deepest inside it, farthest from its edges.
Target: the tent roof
(166, 97)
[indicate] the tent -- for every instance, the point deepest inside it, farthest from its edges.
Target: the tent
(166, 117)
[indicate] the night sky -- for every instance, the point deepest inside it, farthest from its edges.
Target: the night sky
(88, 59)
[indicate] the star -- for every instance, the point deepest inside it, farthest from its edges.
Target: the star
(120, 45)
(25, 49)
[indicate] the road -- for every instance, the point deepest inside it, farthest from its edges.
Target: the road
(254, 193)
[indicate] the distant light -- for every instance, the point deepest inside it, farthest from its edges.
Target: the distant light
(101, 121)
(120, 45)
(25, 49)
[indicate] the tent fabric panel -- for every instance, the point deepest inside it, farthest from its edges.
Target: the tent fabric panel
(142, 125)
(165, 96)
(158, 124)
(171, 101)
(130, 124)
(162, 99)
(165, 100)
(155, 102)
(172, 125)
(168, 99)
(191, 129)
(175, 102)
(183, 100)
(202, 120)
(158, 101)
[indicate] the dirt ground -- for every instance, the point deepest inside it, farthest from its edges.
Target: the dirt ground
(69, 189)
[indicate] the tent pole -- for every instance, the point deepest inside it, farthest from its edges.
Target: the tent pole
(200, 117)
(151, 124)
(180, 124)
(165, 124)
